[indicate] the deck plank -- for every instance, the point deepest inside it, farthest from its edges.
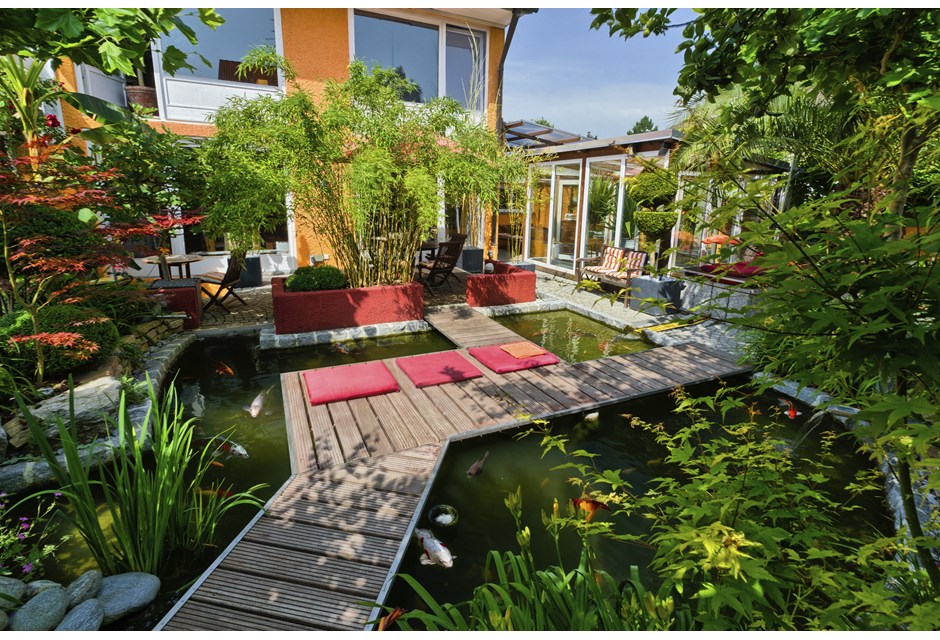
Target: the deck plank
(300, 439)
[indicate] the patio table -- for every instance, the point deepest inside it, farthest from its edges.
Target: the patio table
(178, 261)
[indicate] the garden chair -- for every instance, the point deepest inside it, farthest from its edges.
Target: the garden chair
(218, 289)
(441, 269)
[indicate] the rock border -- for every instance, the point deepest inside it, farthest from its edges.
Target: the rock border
(25, 474)
(269, 340)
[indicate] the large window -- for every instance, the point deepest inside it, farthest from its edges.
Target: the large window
(408, 47)
(220, 50)
(465, 73)
(413, 49)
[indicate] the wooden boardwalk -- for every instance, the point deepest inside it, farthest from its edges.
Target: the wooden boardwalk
(329, 538)
(326, 543)
(467, 328)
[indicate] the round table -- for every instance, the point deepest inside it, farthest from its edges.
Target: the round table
(178, 261)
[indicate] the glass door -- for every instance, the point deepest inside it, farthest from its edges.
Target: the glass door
(603, 195)
(565, 228)
(539, 215)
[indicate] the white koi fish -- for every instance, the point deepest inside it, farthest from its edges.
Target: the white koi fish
(434, 550)
(257, 404)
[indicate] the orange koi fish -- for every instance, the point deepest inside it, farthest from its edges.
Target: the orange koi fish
(791, 411)
(223, 369)
(589, 506)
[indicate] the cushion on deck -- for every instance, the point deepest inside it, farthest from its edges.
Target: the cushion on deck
(501, 362)
(522, 349)
(348, 382)
(437, 368)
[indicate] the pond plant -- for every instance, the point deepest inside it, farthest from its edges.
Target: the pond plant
(744, 536)
(163, 508)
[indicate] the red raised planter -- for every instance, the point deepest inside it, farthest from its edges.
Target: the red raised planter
(506, 285)
(303, 311)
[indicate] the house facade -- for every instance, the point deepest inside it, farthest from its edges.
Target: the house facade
(436, 48)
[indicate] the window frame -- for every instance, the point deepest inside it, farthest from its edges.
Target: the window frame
(441, 24)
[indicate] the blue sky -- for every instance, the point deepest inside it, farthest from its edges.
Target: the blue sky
(583, 80)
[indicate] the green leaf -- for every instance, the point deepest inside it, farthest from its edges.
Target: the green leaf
(102, 110)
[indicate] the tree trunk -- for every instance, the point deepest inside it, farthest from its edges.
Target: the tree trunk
(913, 524)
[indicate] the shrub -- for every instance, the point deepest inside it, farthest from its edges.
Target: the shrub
(85, 321)
(655, 224)
(315, 279)
(127, 304)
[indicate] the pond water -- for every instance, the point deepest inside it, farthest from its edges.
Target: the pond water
(485, 523)
(573, 337)
(219, 399)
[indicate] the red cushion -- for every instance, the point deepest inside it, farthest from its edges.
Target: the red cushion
(348, 382)
(437, 368)
(501, 362)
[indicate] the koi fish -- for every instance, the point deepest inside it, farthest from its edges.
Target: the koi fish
(339, 346)
(603, 346)
(223, 369)
(226, 446)
(386, 621)
(477, 467)
(589, 506)
(443, 519)
(216, 463)
(791, 411)
(257, 404)
(434, 550)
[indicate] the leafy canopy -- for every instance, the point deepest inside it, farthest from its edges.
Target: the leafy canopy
(110, 39)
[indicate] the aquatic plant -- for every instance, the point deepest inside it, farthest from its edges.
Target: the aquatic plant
(525, 598)
(161, 508)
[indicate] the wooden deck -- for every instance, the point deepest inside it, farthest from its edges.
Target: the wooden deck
(467, 328)
(329, 538)
(325, 544)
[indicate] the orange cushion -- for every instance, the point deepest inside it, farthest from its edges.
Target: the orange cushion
(522, 350)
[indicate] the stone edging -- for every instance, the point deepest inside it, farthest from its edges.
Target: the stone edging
(271, 340)
(21, 475)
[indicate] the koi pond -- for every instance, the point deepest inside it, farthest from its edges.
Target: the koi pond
(217, 381)
(573, 337)
(483, 522)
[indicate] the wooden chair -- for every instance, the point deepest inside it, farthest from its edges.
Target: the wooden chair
(441, 269)
(218, 289)
(616, 266)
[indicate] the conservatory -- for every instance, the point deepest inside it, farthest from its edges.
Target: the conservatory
(576, 202)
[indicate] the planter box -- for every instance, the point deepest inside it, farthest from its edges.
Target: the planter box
(181, 295)
(471, 260)
(304, 311)
(506, 285)
(663, 289)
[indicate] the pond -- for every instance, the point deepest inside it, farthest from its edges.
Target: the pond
(573, 337)
(484, 522)
(217, 380)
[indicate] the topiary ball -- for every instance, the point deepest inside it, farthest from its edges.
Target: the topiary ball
(320, 278)
(655, 224)
(85, 321)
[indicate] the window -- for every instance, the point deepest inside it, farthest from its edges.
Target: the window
(408, 47)
(413, 49)
(220, 50)
(465, 73)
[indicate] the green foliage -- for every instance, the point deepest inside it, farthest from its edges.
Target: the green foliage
(655, 224)
(654, 187)
(525, 598)
(157, 171)
(769, 52)
(544, 122)
(24, 542)
(247, 162)
(643, 125)
(602, 200)
(127, 304)
(315, 279)
(109, 39)
(88, 323)
(162, 509)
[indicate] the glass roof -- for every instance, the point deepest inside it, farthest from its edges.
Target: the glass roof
(532, 135)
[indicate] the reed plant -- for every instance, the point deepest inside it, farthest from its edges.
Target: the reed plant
(155, 489)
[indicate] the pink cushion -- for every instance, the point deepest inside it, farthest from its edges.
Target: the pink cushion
(501, 362)
(348, 382)
(437, 368)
